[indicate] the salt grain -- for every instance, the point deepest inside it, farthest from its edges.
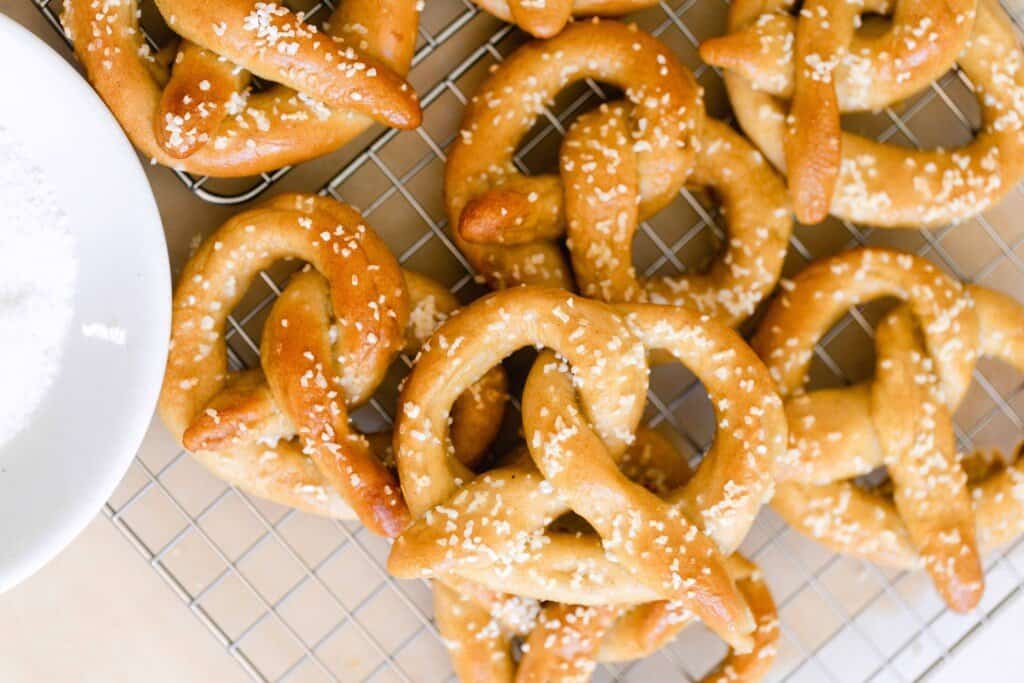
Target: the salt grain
(38, 269)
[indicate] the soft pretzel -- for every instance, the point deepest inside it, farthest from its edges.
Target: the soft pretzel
(488, 199)
(546, 18)
(565, 642)
(926, 351)
(824, 67)
(201, 116)
(327, 343)
(599, 172)
(491, 528)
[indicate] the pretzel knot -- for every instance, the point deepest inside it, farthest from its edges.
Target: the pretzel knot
(547, 18)
(790, 79)
(926, 352)
(282, 431)
(200, 114)
(579, 417)
(488, 200)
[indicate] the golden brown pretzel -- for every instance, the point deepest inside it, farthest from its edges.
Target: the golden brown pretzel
(875, 184)
(599, 172)
(206, 122)
(564, 642)
(328, 341)
(499, 518)
(487, 198)
(545, 18)
(926, 349)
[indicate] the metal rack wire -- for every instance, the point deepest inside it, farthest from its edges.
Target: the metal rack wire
(294, 598)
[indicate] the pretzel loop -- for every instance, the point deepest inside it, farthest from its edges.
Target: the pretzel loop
(489, 200)
(836, 70)
(207, 121)
(926, 352)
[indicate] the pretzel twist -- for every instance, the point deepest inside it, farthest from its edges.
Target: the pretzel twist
(488, 200)
(926, 351)
(202, 117)
(492, 529)
(835, 69)
(547, 18)
(327, 343)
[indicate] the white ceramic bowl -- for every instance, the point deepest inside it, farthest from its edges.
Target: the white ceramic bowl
(56, 474)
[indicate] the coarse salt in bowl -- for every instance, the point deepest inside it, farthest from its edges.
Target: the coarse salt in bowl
(84, 304)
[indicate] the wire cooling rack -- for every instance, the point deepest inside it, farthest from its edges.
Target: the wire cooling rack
(297, 598)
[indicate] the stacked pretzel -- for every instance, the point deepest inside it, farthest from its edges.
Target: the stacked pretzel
(620, 165)
(191, 106)
(791, 77)
(629, 568)
(944, 507)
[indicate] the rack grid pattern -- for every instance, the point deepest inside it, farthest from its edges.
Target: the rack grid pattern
(297, 598)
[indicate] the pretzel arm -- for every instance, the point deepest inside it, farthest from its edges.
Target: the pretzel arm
(660, 545)
(242, 411)
(481, 652)
(813, 132)
(472, 516)
(565, 643)
(847, 520)
(831, 437)
(203, 90)
(298, 359)
(826, 289)
(998, 499)
(930, 486)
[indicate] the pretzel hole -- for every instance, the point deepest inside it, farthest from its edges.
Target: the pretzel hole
(691, 234)
(845, 354)
(244, 330)
(687, 410)
(538, 150)
(990, 419)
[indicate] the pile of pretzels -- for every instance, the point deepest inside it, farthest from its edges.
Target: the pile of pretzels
(586, 537)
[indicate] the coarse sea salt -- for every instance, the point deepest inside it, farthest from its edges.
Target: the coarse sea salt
(38, 269)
